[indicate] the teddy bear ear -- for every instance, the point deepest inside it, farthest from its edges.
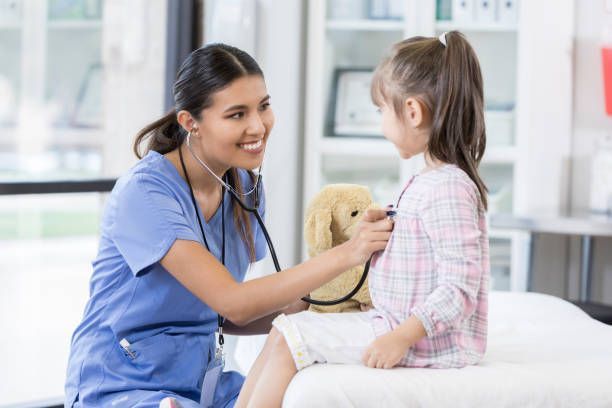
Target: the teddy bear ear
(318, 230)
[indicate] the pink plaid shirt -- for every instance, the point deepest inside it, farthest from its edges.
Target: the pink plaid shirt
(436, 267)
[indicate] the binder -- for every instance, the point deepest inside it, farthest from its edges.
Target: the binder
(463, 11)
(485, 11)
(507, 11)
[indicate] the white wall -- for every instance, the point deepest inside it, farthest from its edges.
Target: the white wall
(590, 122)
(557, 260)
(280, 51)
(134, 57)
(272, 31)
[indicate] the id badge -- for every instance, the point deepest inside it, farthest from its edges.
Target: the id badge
(211, 379)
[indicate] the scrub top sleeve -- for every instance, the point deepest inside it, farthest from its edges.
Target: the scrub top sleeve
(148, 220)
(261, 248)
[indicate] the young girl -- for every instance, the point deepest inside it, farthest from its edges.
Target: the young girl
(429, 286)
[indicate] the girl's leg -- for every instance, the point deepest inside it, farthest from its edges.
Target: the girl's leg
(275, 375)
(255, 371)
(271, 374)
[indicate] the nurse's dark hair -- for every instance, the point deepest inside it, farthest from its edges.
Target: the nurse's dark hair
(448, 81)
(204, 72)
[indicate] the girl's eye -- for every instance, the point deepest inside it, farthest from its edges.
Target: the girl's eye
(237, 115)
(265, 106)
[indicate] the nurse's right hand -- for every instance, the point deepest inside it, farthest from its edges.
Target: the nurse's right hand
(371, 235)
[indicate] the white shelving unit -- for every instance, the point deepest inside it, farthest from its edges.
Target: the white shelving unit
(522, 166)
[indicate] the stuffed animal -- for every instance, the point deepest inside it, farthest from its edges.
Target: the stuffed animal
(330, 220)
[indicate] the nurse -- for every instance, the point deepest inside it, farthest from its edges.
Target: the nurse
(174, 249)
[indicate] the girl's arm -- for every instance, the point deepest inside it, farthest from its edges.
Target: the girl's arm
(242, 303)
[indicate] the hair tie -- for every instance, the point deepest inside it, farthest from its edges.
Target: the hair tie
(442, 38)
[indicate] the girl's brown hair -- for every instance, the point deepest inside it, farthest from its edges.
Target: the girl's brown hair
(447, 79)
(205, 71)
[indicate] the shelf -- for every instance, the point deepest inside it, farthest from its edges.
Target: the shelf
(484, 27)
(500, 155)
(366, 25)
(501, 234)
(75, 24)
(13, 25)
(350, 146)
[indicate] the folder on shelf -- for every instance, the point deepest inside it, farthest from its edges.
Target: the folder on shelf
(485, 11)
(507, 11)
(463, 11)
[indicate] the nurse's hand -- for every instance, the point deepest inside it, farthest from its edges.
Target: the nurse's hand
(371, 235)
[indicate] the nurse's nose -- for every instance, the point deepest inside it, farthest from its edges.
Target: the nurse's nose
(256, 125)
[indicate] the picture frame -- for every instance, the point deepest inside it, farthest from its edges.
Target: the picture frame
(351, 111)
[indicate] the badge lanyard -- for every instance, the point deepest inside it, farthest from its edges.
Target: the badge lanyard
(214, 370)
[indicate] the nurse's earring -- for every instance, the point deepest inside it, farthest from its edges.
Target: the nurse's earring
(193, 134)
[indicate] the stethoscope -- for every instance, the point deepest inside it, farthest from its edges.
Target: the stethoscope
(255, 211)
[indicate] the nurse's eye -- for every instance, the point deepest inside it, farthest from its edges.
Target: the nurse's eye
(237, 115)
(354, 213)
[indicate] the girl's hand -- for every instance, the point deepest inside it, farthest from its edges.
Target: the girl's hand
(386, 351)
(371, 235)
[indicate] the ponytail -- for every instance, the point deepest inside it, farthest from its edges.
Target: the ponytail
(458, 129)
(164, 135)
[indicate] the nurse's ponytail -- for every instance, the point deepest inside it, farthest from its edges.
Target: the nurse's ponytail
(204, 72)
(165, 135)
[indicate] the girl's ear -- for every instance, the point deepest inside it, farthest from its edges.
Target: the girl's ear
(414, 111)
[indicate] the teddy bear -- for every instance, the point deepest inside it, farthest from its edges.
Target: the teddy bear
(331, 218)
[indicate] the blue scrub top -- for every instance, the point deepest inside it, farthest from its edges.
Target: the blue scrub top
(133, 297)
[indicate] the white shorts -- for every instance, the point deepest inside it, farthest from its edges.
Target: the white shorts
(326, 337)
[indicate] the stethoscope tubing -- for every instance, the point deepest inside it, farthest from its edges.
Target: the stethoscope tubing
(255, 212)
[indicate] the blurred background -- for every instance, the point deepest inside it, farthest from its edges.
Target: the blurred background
(79, 78)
